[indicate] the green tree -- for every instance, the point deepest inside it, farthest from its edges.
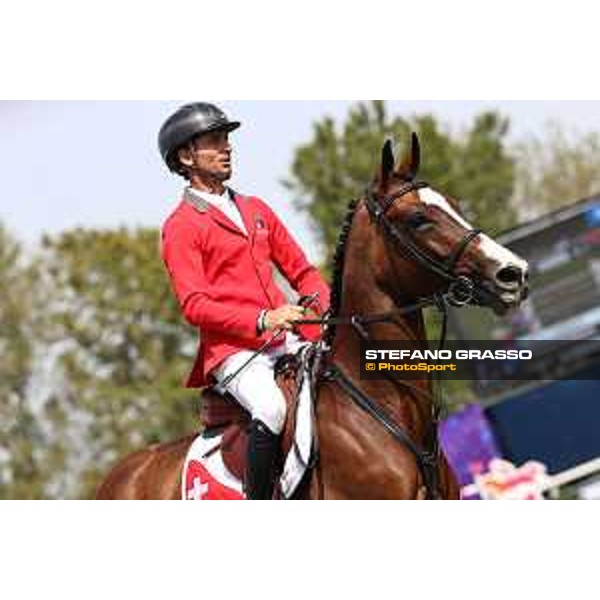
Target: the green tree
(338, 162)
(122, 346)
(21, 437)
(555, 168)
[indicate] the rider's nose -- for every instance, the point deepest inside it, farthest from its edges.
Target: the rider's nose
(510, 276)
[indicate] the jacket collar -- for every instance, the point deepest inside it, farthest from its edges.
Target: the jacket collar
(202, 206)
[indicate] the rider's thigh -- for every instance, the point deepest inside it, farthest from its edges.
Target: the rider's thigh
(256, 390)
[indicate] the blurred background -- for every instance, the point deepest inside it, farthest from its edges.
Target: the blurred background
(93, 351)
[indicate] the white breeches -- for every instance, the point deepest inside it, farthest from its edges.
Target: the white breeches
(255, 387)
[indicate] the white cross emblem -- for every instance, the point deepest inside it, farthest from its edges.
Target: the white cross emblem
(199, 491)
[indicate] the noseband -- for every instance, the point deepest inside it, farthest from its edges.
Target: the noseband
(460, 287)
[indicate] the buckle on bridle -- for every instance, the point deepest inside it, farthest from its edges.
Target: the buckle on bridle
(460, 291)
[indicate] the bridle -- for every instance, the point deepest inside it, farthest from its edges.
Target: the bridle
(461, 290)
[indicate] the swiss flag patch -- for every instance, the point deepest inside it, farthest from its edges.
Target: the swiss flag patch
(201, 485)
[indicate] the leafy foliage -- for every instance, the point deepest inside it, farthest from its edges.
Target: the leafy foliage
(337, 164)
(126, 348)
(21, 475)
(555, 168)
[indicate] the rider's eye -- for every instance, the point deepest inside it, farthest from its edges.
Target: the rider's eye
(419, 222)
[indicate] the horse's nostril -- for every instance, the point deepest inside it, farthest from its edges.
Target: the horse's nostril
(509, 275)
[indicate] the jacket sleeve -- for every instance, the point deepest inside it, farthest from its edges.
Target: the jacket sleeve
(182, 255)
(291, 261)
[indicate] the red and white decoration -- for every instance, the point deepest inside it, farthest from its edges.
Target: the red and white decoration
(505, 481)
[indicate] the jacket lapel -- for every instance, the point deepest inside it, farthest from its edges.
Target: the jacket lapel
(247, 214)
(218, 216)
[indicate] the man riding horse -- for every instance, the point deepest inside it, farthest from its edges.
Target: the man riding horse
(404, 245)
(219, 247)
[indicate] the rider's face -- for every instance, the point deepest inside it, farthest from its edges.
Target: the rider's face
(209, 156)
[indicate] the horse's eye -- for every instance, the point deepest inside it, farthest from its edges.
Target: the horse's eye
(419, 222)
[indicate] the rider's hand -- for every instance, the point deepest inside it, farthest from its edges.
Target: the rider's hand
(283, 317)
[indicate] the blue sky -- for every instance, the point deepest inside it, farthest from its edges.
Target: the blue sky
(95, 163)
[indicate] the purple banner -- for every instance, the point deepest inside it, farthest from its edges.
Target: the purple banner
(468, 442)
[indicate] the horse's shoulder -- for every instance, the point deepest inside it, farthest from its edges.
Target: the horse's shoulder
(173, 446)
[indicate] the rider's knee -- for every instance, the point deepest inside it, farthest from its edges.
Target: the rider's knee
(272, 414)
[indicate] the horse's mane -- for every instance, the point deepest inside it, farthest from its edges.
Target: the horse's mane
(338, 269)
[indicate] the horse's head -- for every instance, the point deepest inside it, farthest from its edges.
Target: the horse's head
(425, 246)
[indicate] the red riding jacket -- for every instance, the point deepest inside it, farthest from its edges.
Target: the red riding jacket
(223, 279)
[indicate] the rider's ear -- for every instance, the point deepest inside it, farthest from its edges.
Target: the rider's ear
(185, 157)
(410, 165)
(388, 162)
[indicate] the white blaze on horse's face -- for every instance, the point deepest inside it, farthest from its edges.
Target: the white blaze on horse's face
(507, 271)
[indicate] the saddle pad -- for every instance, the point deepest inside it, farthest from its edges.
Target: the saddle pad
(205, 476)
(299, 455)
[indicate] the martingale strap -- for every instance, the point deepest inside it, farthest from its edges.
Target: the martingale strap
(426, 461)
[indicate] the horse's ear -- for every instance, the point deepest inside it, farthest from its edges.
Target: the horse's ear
(388, 162)
(410, 165)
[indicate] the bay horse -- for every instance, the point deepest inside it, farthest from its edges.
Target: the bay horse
(403, 246)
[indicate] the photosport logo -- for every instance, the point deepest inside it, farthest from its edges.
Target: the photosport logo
(514, 360)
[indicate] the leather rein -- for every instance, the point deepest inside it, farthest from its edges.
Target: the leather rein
(460, 291)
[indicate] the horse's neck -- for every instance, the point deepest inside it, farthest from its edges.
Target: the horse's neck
(363, 301)
(352, 437)
(362, 296)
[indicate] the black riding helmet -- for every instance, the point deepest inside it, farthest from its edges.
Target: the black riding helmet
(185, 124)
